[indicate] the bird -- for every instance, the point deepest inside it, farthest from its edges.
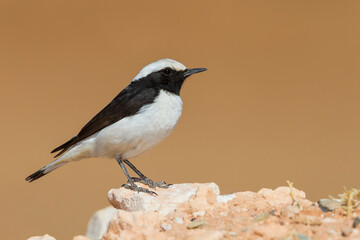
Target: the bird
(142, 115)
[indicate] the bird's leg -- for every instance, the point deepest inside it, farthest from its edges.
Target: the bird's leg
(131, 185)
(145, 180)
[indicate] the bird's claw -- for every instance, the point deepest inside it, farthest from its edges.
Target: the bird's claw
(138, 189)
(150, 183)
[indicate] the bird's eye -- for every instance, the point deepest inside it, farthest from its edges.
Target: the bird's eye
(167, 71)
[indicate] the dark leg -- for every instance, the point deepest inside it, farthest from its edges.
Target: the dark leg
(131, 184)
(144, 179)
(142, 176)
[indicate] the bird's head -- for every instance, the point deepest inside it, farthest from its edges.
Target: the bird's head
(166, 74)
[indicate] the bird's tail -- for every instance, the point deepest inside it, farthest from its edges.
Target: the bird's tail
(45, 170)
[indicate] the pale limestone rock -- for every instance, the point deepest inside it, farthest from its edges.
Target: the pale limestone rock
(178, 220)
(248, 201)
(80, 237)
(44, 237)
(48, 237)
(166, 201)
(271, 231)
(281, 196)
(134, 225)
(268, 194)
(267, 214)
(143, 216)
(205, 234)
(225, 198)
(199, 214)
(346, 231)
(166, 227)
(99, 222)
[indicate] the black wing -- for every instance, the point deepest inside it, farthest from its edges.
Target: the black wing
(126, 103)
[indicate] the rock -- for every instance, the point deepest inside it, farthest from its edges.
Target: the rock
(134, 225)
(346, 231)
(356, 222)
(248, 201)
(80, 237)
(302, 236)
(205, 234)
(196, 224)
(99, 222)
(166, 201)
(198, 211)
(199, 214)
(262, 217)
(141, 214)
(178, 220)
(327, 205)
(271, 231)
(225, 198)
(307, 220)
(44, 237)
(166, 227)
(290, 211)
(281, 196)
(48, 237)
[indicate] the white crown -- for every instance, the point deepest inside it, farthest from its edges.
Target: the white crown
(158, 65)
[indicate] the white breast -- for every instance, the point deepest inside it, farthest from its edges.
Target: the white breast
(138, 133)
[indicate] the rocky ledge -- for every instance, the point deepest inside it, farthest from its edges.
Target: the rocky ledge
(198, 211)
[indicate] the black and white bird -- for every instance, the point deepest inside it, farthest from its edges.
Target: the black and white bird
(138, 118)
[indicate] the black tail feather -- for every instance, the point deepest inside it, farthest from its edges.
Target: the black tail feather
(36, 175)
(64, 147)
(61, 152)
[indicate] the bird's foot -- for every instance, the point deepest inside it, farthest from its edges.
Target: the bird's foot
(151, 183)
(138, 189)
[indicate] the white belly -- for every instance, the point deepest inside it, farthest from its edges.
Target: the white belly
(136, 134)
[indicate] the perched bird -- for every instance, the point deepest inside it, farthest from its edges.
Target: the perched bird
(138, 118)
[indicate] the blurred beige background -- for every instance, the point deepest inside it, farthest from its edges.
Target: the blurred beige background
(280, 99)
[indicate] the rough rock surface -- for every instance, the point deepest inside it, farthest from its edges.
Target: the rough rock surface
(197, 211)
(99, 222)
(44, 237)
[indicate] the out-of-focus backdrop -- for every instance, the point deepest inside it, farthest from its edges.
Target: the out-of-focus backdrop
(280, 99)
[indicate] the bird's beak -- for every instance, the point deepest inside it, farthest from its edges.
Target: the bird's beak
(191, 71)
